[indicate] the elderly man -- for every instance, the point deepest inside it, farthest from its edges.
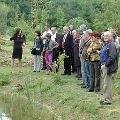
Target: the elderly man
(108, 59)
(56, 37)
(67, 45)
(85, 66)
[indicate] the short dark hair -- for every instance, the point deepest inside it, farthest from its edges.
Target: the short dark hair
(38, 32)
(48, 35)
(95, 34)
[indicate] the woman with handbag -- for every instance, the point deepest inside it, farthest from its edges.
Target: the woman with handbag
(36, 51)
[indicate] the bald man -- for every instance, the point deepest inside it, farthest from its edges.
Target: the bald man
(108, 59)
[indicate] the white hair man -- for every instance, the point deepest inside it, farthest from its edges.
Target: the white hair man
(108, 59)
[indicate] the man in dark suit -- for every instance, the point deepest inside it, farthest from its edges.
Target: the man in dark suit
(67, 45)
(56, 37)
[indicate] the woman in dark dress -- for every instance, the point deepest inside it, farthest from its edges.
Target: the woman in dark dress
(19, 41)
(77, 63)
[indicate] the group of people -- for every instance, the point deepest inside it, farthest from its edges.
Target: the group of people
(93, 56)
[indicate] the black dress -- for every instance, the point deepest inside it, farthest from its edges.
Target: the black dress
(17, 47)
(76, 53)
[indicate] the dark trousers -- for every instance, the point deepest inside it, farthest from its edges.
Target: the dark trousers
(55, 58)
(55, 55)
(79, 75)
(95, 76)
(67, 66)
(74, 69)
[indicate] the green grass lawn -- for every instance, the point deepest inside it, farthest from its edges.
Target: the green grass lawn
(62, 94)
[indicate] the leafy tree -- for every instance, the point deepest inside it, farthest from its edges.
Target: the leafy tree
(3, 19)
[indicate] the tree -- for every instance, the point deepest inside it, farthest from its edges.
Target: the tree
(3, 19)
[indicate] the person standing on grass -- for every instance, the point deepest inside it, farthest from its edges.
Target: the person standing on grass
(47, 30)
(77, 63)
(57, 37)
(57, 51)
(49, 46)
(67, 46)
(93, 52)
(38, 45)
(85, 58)
(19, 42)
(108, 59)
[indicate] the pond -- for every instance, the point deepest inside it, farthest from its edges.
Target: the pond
(18, 108)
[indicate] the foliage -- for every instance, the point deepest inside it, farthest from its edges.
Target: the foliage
(3, 18)
(97, 14)
(76, 22)
(109, 16)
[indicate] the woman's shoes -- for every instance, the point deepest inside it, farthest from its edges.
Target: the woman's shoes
(35, 71)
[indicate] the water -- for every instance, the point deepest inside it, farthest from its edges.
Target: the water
(17, 108)
(3, 116)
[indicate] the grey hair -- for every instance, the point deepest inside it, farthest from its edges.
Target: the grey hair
(109, 32)
(88, 31)
(66, 27)
(83, 27)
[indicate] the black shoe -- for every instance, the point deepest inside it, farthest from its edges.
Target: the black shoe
(83, 86)
(34, 71)
(79, 79)
(90, 90)
(43, 68)
(97, 90)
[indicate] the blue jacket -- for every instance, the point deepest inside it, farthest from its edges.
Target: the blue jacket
(109, 56)
(38, 43)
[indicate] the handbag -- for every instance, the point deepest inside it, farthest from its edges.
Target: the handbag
(34, 51)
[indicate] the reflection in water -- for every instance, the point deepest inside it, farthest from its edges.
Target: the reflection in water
(14, 107)
(3, 116)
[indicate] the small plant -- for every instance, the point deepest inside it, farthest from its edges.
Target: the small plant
(4, 79)
(4, 82)
(57, 63)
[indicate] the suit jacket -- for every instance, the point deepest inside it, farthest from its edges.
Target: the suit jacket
(68, 45)
(58, 39)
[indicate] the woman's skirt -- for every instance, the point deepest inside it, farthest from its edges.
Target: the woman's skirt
(17, 53)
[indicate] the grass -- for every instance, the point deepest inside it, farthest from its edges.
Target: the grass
(62, 94)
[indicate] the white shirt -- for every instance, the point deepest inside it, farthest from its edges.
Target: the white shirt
(49, 31)
(117, 42)
(53, 37)
(64, 38)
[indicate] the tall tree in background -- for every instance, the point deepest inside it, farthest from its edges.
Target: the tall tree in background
(3, 18)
